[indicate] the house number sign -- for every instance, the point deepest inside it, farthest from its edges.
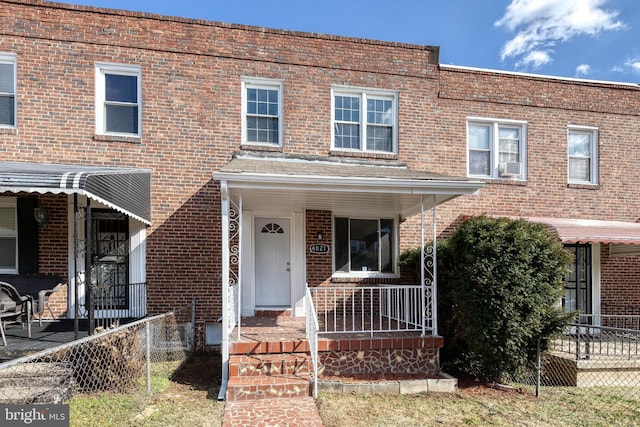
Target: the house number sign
(319, 249)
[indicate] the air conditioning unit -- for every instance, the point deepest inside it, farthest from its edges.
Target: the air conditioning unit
(510, 169)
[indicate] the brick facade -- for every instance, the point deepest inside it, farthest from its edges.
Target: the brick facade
(191, 125)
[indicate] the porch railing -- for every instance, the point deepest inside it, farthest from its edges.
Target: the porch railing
(312, 337)
(626, 321)
(368, 309)
(117, 303)
(584, 341)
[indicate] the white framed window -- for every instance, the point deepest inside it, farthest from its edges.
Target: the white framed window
(118, 100)
(582, 144)
(364, 246)
(8, 235)
(496, 148)
(364, 120)
(8, 80)
(262, 111)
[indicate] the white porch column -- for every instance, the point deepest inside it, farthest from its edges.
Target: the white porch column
(428, 273)
(224, 197)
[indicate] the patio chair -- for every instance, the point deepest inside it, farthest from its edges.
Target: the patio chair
(14, 307)
(43, 302)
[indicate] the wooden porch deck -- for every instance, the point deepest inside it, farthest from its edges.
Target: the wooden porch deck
(50, 334)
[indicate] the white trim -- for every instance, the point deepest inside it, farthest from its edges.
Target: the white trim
(495, 125)
(12, 59)
(539, 76)
(102, 68)
(593, 160)
(363, 94)
(268, 84)
(595, 280)
(11, 202)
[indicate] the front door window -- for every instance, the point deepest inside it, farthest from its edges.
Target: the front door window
(577, 288)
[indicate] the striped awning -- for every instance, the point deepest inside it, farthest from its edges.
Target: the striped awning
(592, 231)
(127, 190)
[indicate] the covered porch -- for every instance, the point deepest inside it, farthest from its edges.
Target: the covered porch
(84, 225)
(319, 239)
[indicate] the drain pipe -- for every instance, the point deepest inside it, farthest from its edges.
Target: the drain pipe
(225, 358)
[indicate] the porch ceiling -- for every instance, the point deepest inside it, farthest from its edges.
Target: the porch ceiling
(127, 190)
(293, 184)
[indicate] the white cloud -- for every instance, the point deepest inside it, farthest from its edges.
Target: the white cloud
(541, 24)
(634, 65)
(582, 69)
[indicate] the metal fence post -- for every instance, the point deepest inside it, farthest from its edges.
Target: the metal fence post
(193, 325)
(147, 334)
(538, 357)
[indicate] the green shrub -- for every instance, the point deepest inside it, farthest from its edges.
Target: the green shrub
(500, 284)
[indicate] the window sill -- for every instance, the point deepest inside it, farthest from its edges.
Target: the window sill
(261, 147)
(337, 277)
(117, 138)
(364, 155)
(584, 186)
(503, 181)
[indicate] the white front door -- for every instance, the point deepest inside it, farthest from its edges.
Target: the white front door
(273, 262)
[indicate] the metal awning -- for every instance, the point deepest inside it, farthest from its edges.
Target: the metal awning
(318, 183)
(127, 190)
(592, 231)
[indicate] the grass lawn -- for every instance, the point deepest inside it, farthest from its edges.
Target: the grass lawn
(189, 398)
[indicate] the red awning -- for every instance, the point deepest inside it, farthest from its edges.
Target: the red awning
(592, 231)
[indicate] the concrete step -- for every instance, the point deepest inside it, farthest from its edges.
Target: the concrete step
(268, 387)
(269, 365)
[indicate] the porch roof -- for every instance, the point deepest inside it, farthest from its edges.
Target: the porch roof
(127, 190)
(344, 186)
(592, 231)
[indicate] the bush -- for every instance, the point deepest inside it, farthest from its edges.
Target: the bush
(500, 284)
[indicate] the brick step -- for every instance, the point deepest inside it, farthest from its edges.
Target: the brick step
(269, 347)
(269, 365)
(268, 387)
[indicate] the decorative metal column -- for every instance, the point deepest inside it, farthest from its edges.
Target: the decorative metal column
(428, 273)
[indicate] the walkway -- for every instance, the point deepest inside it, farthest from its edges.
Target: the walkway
(300, 412)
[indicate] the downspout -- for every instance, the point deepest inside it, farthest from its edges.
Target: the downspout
(224, 347)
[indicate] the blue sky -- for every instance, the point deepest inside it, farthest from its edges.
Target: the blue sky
(591, 39)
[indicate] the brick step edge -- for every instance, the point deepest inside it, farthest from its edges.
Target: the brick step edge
(251, 388)
(268, 365)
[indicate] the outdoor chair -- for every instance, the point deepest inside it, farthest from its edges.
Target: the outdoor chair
(43, 302)
(14, 308)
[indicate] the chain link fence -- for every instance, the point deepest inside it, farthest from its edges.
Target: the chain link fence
(127, 358)
(604, 359)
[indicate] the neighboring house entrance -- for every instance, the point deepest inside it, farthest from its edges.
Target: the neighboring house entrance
(578, 288)
(273, 262)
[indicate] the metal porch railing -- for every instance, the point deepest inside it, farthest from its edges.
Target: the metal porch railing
(584, 341)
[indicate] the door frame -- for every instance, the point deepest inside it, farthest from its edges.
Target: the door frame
(297, 254)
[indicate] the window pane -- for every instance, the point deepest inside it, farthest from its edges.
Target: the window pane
(7, 110)
(262, 129)
(119, 88)
(347, 108)
(121, 118)
(379, 138)
(347, 136)
(579, 169)
(386, 245)
(341, 241)
(509, 145)
(262, 101)
(380, 111)
(479, 162)
(479, 136)
(364, 245)
(7, 222)
(580, 144)
(7, 253)
(7, 85)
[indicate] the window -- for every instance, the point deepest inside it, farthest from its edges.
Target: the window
(364, 245)
(7, 90)
(364, 120)
(118, 100)
(262, 111)
(577, 282)
(8, 236)
(583, 149)
(496, 148)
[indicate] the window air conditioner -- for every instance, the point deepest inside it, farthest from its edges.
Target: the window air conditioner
(510, 169)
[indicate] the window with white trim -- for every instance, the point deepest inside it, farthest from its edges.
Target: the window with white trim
(582, 143)
(8, 236)
(364, 245)
(118, 100)
(364, 120)
(496, 148)
(262, 111)
(8, 104)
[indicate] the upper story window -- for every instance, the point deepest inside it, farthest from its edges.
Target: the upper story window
(118, 100)
(364, 245)
(8, 236)
(7, 90)
(364, 120)
(583, 155)
(496, 148)
(262, 111)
